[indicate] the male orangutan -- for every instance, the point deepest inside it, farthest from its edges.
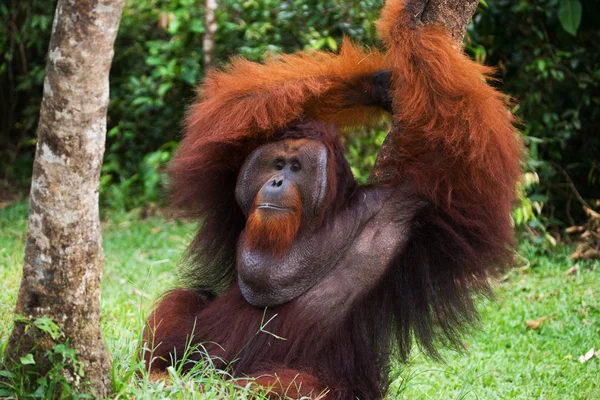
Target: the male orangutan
(346, 274)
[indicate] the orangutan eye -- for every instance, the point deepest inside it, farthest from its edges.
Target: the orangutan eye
(296, 166)
(279, 164)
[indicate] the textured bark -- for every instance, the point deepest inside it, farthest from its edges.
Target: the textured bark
(64, 258)
(455, 16)
(210, 29)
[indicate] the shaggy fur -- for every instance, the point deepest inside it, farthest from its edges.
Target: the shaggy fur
(455, 153)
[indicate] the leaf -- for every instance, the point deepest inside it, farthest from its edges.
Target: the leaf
(27, 359)
(569, 15)
(320, 43)
(572, 270)
(11, 375)
(22, 319)
(164, 88)
(540, 198)
(534, 324)
(332, 43)
(46, 324)
(141, 100)
(584, 358)
(154, 60)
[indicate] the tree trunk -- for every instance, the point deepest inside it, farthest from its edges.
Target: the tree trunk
(64, 258)
(210, 29)
(455, 16)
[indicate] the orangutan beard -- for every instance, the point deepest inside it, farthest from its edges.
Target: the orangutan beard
(273, 230)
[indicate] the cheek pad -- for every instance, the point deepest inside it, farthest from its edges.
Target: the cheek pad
(250, 180)
(320, 187)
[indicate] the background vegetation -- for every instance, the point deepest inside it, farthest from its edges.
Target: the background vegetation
(547, 53)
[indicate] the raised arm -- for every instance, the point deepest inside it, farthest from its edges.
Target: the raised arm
(453, 140)
(344, 89)
(453, 132)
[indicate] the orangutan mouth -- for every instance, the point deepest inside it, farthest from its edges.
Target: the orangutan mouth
(269, 206)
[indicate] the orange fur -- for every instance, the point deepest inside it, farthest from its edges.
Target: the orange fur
(288, 384)
(158, 376)
(457, 143)
(274, 231)
(272, 95)
(250, 100)
(458, 136)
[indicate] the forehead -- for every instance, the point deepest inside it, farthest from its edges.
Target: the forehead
(291, 147)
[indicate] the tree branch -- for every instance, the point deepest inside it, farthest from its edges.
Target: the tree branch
(453, 14)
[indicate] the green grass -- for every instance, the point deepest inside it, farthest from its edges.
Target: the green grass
(504, 359)
(508, 360)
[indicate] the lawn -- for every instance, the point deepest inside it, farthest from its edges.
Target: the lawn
(546, 315)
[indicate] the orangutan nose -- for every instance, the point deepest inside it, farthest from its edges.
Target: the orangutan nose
(276, 182)
(275, 187)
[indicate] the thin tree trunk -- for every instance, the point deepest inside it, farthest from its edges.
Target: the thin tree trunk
(210, 29)
(63, 257)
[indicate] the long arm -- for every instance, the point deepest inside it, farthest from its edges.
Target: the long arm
(454, 138)
(454, 142)
(454, 132)
(248, 97)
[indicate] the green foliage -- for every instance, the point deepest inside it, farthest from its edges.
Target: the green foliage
(144, 187)
(569, 15)
(548, 54)
(25, 379)
(527, 214)
(361, 150)
(254, 28)
(24, 36)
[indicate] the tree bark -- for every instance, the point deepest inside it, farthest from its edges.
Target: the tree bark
(455, 16)
(64, 257)
(210, 29)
